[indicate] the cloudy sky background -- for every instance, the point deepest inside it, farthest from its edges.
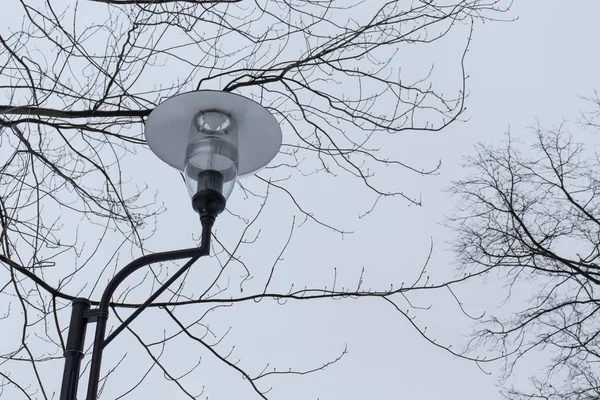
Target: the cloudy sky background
(532, 68)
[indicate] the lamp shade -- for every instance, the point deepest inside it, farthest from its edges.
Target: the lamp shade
(208, 130)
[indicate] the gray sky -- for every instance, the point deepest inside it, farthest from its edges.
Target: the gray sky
(532, 68)
(535, 67)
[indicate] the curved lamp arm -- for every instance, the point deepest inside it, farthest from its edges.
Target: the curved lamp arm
(101, 313)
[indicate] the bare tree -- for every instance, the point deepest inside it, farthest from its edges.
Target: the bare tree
(532, 216)
(125, 2)
(78, 81)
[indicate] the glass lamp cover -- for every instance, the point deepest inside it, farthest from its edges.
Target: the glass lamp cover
(212, 159)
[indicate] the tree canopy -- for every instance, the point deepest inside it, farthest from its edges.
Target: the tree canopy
(78, 80)
(529, 215)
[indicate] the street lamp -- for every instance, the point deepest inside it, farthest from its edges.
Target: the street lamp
(212, 137)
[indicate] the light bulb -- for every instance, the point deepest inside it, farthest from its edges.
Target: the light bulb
(212, 159)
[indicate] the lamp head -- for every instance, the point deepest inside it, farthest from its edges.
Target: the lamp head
(213, 137)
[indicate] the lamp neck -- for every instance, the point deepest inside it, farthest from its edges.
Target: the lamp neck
(207, 222)
(208, 203)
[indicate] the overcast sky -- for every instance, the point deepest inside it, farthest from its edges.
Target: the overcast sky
(535, 67)
(532, 68)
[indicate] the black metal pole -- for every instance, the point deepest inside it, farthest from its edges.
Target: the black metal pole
(74, 349)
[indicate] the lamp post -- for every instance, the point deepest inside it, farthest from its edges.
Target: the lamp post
(213, 137)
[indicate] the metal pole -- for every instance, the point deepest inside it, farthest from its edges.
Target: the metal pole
(74, 349)
(92, 392)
